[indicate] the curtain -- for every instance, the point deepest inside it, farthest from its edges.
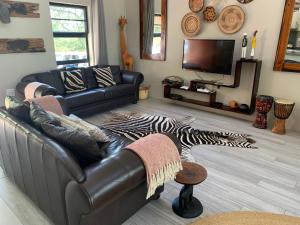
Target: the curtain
(99, 33)
(148, 25)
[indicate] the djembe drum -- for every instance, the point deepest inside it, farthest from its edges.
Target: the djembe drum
(283, 110)
(264, 104)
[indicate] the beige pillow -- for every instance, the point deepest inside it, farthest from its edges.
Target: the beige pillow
(73, 121)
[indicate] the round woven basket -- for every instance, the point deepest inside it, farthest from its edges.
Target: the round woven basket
(245, 1)
(231, 19)
(196, 5)
(191, 24)
(210, 14)
(248, 218)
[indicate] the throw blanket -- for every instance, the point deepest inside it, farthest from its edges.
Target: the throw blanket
(161, 159)
(49, 103)
(30, 89)
(135, 126)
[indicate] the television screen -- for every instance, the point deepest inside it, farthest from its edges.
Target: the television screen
(213, 56)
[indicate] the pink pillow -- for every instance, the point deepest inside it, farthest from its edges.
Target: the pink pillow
(49, 103)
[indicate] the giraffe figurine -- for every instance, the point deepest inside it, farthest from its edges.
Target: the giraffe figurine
(127, 59)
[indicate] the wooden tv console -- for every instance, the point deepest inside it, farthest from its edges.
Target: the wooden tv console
(212, 95)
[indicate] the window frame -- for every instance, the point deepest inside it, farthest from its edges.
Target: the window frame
(157, 34)
(73, 34)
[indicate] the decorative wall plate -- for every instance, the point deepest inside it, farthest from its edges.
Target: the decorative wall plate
(231, 19)
(191, 25)
(210, 14)
(245, 1)
(196, 5)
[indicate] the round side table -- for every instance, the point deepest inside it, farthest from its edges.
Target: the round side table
(186, 205)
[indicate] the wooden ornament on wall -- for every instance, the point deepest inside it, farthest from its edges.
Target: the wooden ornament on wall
(196, 5)
(21, 45)
(23, 9)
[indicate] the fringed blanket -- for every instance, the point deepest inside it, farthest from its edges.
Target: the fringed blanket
(135, 126)
(161, 166)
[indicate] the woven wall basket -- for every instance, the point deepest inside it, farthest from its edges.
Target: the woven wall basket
(231, 19)
(196, 5)
(191, 25)
(210, 14)
(245, 1)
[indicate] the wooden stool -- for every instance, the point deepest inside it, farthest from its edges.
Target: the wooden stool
(186, 205)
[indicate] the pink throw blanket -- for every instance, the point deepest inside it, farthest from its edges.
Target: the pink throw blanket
(161, 159)
(49, 103)
(30, 89)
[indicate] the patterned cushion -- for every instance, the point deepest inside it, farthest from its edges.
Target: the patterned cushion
(104, 77)
(73, 81)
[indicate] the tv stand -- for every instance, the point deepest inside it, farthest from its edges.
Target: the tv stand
(212, 102)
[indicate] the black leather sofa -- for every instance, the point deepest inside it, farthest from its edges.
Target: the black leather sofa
(94, 99)
(107, 192)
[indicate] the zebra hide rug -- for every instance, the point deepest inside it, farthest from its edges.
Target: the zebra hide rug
(135, 126)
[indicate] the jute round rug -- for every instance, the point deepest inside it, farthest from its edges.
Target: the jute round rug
(248, 218)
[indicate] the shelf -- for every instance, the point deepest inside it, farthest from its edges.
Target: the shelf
(212, 96)
(207, 104)
(204, 93)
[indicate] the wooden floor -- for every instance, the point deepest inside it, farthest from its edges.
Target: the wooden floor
(266, 179)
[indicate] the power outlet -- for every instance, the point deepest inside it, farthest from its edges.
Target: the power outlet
(11, 92)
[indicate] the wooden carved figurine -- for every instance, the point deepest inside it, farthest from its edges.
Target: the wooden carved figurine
(127, 59)
(244, 45)
(253, 44)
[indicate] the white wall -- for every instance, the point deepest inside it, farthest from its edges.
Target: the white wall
(14, 66)
(259, 15)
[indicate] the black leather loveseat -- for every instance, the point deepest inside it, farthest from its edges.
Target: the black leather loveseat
(105, 193)
(94, 99)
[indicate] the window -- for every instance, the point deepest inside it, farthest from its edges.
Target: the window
(70, 32)
(157, 34)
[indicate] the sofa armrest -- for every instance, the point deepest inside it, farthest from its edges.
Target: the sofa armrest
(129, 77)
(135, 78)
(42, 90)
(113, 177)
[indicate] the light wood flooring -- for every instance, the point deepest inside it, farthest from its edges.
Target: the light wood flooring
(266, 179)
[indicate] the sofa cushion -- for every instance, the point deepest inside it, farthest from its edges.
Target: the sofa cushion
(84, 98)
(53, 79)
(83, 146)
(104, 77)
(116, 72)
(73, 81)
(40, 116)
(118, 91)
(89, 77)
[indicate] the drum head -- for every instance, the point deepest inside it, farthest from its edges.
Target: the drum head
(284, 102)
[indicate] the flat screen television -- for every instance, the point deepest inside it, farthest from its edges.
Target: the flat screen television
(212, 56)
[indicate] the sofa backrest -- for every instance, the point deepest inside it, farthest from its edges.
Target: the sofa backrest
(40, 167)
(53, 77)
